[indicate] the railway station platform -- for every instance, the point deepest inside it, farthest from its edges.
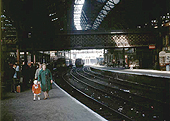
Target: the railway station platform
(59, 107)
(144, 72)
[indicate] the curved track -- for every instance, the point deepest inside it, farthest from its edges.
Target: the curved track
(92, 92)
(122, 97)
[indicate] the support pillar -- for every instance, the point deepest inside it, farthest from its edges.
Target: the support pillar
(104, 56)
(18, 62)
(123, 57)
(25, 57)
(38, 58)
(70, 54)
(18, 56)
(0, 57)
(43, 58)
(34, 59)
(64, 54)
(32, 56)
(46, 58)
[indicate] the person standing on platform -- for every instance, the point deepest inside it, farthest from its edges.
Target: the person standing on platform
(17, 71)
(36, 89)
(113, 61)
(37, 71)
(118, 63)
(14, 82)
(32, 70)
(8, 75)
(45, 78)
(25, 74)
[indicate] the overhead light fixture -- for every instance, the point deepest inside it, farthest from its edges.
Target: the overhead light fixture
(156, 27)
(54, 19)
(51, 14)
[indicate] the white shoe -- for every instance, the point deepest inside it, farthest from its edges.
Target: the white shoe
(38, 98)
(34, 99)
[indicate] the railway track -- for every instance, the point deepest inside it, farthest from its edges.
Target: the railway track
(129, 104)
(134, 87)
(93, 101)
(150, 93)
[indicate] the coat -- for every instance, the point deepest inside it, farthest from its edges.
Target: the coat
(45, 78)
(36, 89)
(37, 73)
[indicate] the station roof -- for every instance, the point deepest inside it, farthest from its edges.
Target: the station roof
(62, 15)
(46, 18)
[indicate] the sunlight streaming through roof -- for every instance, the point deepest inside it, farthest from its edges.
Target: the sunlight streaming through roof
(103, 13)
(77, 13)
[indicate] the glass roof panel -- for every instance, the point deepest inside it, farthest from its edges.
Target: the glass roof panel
(111, 6)
(115, 1)
(102, 15)
(78, 8)
(106, 8)
(79, 1)
(102, 1)
(104, 12)
(98, 22)
(110, 3)
(80, 16)
(78, 27)
(99, 17)
(78, 20)
(77, 16)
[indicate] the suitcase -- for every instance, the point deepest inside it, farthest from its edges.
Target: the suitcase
(18, 89)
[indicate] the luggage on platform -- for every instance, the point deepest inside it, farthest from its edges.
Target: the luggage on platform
(18, 88)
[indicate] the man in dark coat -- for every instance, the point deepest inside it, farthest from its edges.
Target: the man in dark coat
(26, 75)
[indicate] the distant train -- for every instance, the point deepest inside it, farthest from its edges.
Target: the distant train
(69, 63)
(79, 62)
(62, 64)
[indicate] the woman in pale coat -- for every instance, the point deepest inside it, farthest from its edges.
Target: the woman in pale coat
(37, 71)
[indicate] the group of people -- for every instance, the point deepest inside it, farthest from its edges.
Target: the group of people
(25, 75)
(12, 75)
(42, 82)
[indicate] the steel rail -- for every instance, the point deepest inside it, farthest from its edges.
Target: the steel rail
(95, 99)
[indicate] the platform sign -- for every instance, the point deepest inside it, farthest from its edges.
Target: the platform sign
(167, 58)
(151, 46)
(162, 58)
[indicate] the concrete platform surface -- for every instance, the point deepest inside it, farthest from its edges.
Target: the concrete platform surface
(144, 72)
(59, 107)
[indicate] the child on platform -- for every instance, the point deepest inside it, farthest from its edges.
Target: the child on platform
(36, 89)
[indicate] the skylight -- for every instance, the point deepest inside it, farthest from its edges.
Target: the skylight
(77, 13)
(103, 13)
